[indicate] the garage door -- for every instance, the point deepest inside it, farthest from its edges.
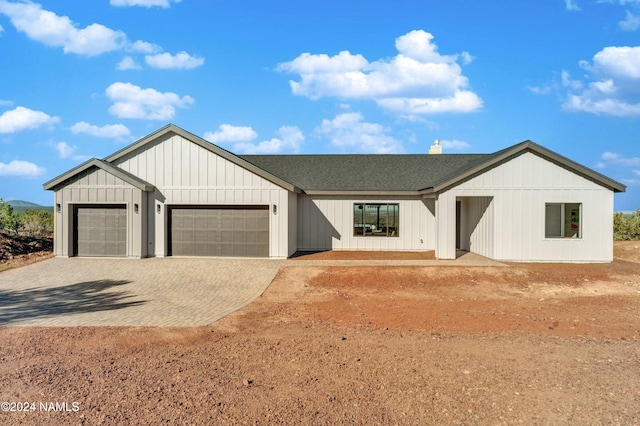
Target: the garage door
(101, 231)
(219, 231)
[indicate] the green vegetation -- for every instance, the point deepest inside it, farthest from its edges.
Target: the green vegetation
(32, 222)
(626, 226)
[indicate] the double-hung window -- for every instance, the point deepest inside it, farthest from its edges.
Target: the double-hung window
(376, 220)
(563, 220)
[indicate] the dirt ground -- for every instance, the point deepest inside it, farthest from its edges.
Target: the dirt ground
(21, 250)
(526, 344)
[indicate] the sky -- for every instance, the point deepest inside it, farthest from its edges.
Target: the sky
(82, 79)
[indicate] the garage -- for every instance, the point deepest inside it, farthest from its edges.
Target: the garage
(100, 230)
(238, 231)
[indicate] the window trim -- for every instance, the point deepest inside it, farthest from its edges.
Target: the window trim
(362, 223)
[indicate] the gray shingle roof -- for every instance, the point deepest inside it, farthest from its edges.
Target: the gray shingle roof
(410, 172)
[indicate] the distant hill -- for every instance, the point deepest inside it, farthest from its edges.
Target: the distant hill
(20, 203)
(626, 213)
(19, 206)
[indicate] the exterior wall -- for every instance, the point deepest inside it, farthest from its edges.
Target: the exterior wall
(184, 173)
(293, 222)
(476, 227)
(520, 188)
(96, 186)
(326, 223)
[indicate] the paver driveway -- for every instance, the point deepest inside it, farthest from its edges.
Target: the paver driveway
(122, 292)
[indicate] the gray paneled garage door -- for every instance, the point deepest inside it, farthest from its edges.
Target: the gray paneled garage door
(220, 231)
(101, 231)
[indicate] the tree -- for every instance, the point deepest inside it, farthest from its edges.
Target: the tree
(9, 220)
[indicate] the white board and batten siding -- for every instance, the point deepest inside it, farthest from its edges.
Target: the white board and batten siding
(326, 223)
(185, 173)
(98, 187)
(511, 226)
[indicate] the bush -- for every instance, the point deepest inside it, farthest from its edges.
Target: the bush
(626, 228)
(37, 223)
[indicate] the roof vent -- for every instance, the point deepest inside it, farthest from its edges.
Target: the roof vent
(436, 148)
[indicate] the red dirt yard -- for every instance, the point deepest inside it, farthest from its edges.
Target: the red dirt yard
(522, 344)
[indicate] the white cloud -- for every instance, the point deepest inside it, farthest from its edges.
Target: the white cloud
(23, 118)
(128, 63)
(59, 31)
(20, 168)
(418, 80)
(181, 60)
(144, 3)
(289, 141)
(567, 81)
(454, 145)
(65, 150)
(5, 103)
(459, 101)
(616, 159)
(631, 22)
(540, 90)
(107, 131)
(613, 85)
(130, 101)
(466, 58)
(636, 172)
(1, 29)
(229, 133)
(630, 182)
(144, 47)
(571, 5)
(349, 132)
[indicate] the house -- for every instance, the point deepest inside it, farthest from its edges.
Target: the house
(174, 193)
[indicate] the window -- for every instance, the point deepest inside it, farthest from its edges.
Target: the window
(563, 220)
(375, 220)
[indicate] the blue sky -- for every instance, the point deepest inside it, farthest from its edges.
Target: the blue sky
(83, 79)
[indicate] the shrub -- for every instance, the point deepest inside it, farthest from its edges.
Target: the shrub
(37, 222)
(626, 227)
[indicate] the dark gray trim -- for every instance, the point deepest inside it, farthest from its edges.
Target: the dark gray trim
(365, 193)
(109, 168)
(172, 128)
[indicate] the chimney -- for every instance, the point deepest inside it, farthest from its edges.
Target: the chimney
(435, 148)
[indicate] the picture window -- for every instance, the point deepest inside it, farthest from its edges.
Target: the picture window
(376, 220)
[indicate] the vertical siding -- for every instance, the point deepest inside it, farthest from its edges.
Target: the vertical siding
(326, 223)
(185, 173)
(293, 223)
(446, 225)
(477, 225)
(520, 189)
(96, 186)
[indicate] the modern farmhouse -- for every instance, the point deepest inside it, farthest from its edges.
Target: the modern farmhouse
(173, 193)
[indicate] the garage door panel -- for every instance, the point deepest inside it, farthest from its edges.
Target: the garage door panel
(219, 231)
(101, 231)
(226, 237)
